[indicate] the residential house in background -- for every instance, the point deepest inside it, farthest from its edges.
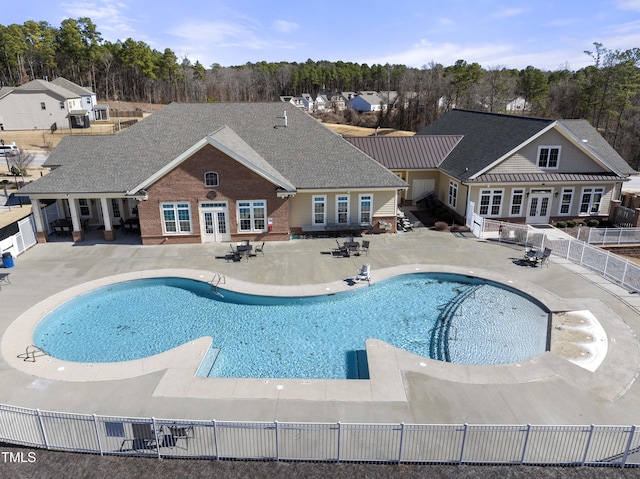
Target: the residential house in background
(512, 168)
(518, 104)
(95, 111)
(307, 102)
(40, 105)
(216, 172)
(368, 101)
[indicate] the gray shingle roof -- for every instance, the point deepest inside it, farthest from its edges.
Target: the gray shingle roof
(42, 85)
(72, 87)
(595, 142)
(487, 137)
(407, 152)
(305, 153)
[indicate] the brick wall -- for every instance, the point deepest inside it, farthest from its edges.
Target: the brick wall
(186, 184)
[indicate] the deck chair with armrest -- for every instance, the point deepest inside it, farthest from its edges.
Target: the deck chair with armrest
(364, 274)
(544, 259)
(144, 437)
(365, 247)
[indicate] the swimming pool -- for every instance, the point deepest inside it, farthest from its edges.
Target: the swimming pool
(449, 317)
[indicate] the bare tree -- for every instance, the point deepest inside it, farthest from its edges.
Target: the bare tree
(20, 162)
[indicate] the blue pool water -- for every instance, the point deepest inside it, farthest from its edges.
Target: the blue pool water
(449, 317)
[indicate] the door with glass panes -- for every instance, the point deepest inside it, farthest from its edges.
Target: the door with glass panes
(214, 222)
(539, 206)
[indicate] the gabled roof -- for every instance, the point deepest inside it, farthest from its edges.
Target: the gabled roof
(487, 137)
(594, 141)
(42, 85)
(407, 152)
(5, 90)
(490, 137)
(72, 87)
(304, 154)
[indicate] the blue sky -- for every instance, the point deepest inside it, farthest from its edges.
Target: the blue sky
(511, 33)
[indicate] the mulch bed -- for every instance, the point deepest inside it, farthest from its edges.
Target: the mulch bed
(20, 462)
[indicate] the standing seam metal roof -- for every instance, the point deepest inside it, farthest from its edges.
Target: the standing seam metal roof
(407, 152)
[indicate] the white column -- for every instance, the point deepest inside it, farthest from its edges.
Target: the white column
(37, 215)
(106, 217)
(75, 219)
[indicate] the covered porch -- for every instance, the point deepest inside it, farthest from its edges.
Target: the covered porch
(80, 219)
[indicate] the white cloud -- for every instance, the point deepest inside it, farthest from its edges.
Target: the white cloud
(109, 17)
(509, 12)
(284, 26)
(486, 54)
(628, 4)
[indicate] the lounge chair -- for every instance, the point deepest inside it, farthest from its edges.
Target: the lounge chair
(341, 250)
(260, 249)
(364, 274)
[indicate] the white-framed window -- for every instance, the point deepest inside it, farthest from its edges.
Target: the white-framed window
(176, 218)
(365, 211)
(590, 200)
(490, 202)
(566, 200)
(62, 105)
(83, 206)
(517, 200)
(453, 194)
(211, 179)
(319, 205)
(252, 215)
(548, 156)
(115, 207)
(88, 101)
(43, 105)
(342, 209)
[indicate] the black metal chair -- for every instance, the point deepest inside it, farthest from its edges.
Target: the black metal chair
(259, 249)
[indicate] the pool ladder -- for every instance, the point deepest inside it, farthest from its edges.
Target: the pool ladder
(215, 281)
(32, 352)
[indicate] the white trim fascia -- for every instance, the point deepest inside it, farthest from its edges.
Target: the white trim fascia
(319, 191)
(512, 151)
(573, 138)
(208, 140)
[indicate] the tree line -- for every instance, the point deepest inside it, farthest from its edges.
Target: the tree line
(606, 93)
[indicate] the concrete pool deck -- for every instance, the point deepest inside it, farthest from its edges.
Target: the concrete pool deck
(548, 389)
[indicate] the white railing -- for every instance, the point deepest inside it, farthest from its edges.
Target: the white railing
(332, 442)
(610, 265)
(613, 236)
(24, 239)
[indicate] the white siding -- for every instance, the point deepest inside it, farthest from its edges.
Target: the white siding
(572, 159)
(22, 111)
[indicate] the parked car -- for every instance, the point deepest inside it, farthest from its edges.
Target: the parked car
(9, 150)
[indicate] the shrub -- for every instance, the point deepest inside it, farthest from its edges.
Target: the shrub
(593, 223)
(441, 226)
(561, 224)
(571, 224)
